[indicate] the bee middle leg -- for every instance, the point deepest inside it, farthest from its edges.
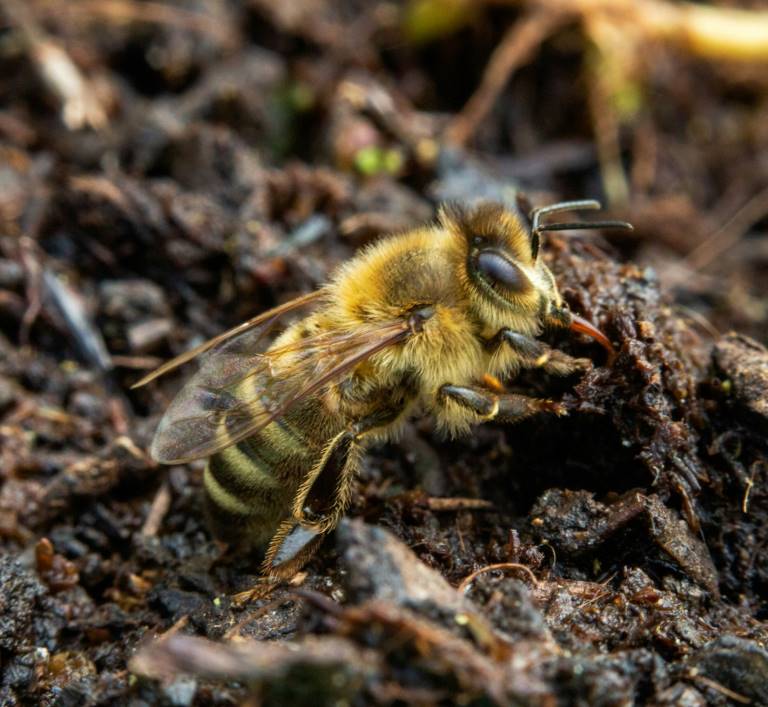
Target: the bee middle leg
(488, 405)
(323, 496)
(537, 354)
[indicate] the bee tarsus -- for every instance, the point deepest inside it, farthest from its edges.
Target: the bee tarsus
(525, 345)
(505, 407)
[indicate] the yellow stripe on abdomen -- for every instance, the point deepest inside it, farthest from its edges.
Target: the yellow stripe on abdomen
(222, 497)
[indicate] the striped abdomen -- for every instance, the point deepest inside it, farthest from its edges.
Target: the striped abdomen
(250, 485)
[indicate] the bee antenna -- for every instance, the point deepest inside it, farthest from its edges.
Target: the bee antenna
(581, 205)
(537, 228)
(582, 225)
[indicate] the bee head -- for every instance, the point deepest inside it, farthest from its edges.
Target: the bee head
(502, 269)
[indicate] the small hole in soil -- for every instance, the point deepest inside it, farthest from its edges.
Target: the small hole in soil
(581, 452)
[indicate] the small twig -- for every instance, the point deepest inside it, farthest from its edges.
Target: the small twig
(464, 584)
(462, 544)
(138, 363)
(750, 483)
(515, 49)
(730, 232)
(86, 337)
(157, 511)
(457, 504)
(605, 125)
(253, 661)
(33, 272)
(119, 413)
(747, 492)
(714, 32)
(234, 632)
(599, 595)
(700, 319)
(173, 630)
(259, 591)
(82, 104)
(28, 408)
(711, 32)
(128, 11)
(722, 689)
(320, 601)
(134, 450)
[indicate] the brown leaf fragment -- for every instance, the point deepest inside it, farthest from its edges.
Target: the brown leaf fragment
(330, 666)
(575, 522)
(56, 571)
(434, 651)
(381, 567)
(743, 363)
(383, 572)
(734, 667)
(672, 534)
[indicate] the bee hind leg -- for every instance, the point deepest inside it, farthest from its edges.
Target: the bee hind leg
(488, 405)
(537, 354)
(322, 498)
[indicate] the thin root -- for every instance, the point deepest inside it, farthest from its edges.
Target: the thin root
(464, 584)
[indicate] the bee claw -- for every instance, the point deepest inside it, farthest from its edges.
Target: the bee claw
(584, 364)
(554, 407)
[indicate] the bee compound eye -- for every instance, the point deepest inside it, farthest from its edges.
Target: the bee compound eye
(495, 268)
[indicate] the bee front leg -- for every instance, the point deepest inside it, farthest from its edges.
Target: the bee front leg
(487, 405)
(322, 498)
(536, 354)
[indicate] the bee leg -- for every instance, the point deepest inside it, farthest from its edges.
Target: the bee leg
(536, 354)
(320, 502)
(291, 547)
(322, 498)
(487, 405)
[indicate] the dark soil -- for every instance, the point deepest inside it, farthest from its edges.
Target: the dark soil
(237, 153)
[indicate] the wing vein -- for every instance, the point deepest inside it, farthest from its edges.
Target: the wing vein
(234, 396)
(268, 318)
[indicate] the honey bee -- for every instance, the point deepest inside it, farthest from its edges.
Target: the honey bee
(426, 319)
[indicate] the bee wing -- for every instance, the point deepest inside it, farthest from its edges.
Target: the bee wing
(250, 332)
(234, 395)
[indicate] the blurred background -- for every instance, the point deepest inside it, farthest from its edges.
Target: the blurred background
(169, 168)
(215, 145)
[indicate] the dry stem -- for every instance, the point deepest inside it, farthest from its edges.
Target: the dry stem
(515, 49)
(82, 103)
